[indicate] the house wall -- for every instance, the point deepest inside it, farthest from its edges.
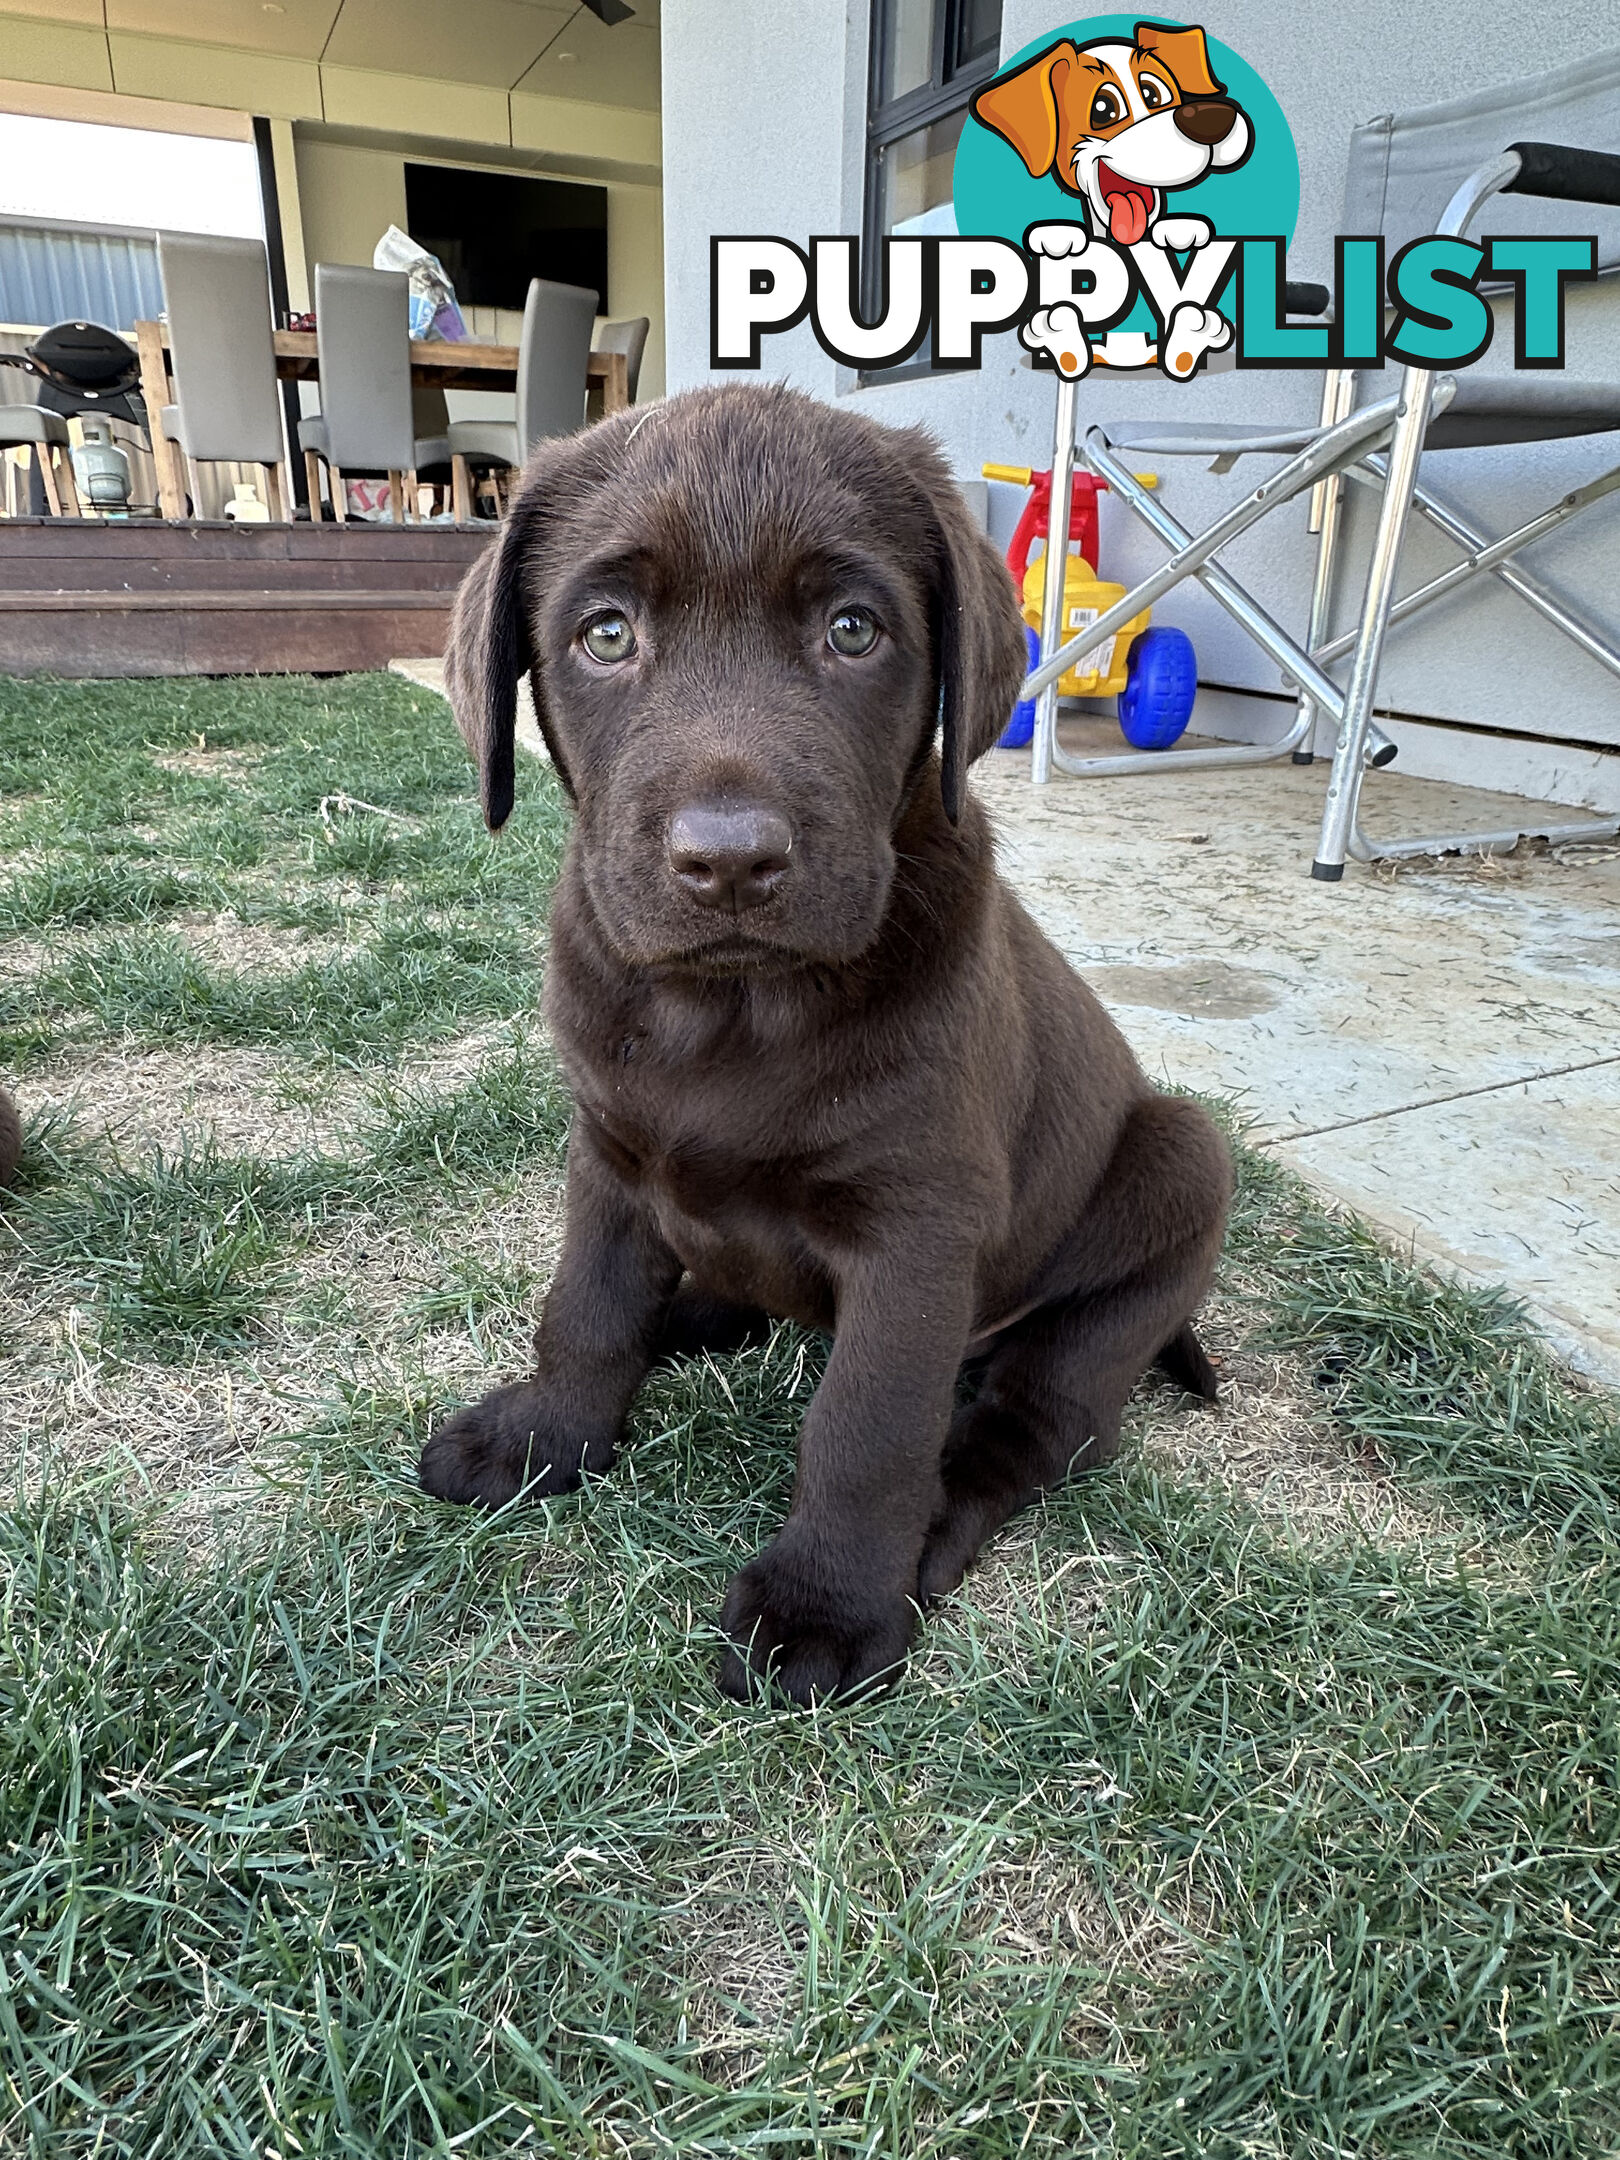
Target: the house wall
(786, 157)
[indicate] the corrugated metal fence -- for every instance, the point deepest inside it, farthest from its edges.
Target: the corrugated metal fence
(51, 273)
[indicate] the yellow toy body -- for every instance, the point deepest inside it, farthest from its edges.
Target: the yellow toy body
(1100, 673)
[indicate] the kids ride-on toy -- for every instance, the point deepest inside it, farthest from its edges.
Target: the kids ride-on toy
(1153, 672)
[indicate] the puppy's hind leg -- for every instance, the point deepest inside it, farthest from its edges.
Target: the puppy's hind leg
(1055, 1386)
(1184, 1361)
(699, 1321)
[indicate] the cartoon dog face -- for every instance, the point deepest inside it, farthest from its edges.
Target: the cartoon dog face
(1118, 124)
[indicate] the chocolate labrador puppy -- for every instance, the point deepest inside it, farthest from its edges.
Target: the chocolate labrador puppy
(825, 1066)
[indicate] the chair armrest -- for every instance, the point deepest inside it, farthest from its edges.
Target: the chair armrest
(1310, 299)
(1565, 175)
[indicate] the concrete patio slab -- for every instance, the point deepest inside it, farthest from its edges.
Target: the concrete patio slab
(1436, 1045)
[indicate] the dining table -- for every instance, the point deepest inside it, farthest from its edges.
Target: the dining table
(436, 363)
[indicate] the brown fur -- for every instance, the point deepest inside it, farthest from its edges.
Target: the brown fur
(10, 1138)
(879, 1102)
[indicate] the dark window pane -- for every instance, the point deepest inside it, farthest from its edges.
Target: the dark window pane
(978, 34)
(914, 174)
(907, 47)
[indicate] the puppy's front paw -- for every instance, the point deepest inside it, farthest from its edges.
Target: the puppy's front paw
(1193, 332)
(1057, 240)
(500, 1447)
(809, 1629)
(1181, 233)
(1061, 335)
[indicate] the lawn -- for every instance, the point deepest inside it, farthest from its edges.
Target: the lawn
(1255, 1797)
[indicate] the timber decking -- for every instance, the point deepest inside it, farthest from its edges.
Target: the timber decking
(86, 598)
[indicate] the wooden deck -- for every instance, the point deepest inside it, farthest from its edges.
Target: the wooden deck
(80, 597)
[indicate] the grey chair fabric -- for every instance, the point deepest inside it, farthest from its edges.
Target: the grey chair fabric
(216, 294)
(486, 442)
(1405, 167)
(1484, 410)
(1403, 170)
(628, 336)
(553, 356)
(31, 424)
(363, 345)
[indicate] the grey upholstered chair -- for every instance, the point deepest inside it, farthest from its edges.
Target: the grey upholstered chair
(216, 294)
(553, 355)
(45, 434)
(366, 422)
(628, 336)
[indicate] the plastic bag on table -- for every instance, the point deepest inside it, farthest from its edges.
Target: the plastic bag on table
(434, 313)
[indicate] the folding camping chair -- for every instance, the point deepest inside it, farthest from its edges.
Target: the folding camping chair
(1399, 170)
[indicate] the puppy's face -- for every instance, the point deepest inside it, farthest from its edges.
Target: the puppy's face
(740, 609)
(1118, 123)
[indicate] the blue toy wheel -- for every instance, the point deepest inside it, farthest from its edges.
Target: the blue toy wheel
(1020, 728)
(1161, 683)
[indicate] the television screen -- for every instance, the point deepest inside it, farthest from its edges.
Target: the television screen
(495, 231)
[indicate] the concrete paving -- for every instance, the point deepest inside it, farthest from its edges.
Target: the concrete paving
(1437, 1046)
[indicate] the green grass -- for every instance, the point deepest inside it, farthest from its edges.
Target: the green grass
(336, 1822)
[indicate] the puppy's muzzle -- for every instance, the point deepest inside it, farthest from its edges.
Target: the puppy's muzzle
(1206, 120)
(731, 856)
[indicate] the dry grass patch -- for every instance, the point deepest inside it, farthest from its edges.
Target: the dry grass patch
(247, 1102)
(248, 948)
(202, 762)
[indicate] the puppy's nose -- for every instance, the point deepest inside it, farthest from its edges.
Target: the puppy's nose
(1206, 120)
(732, 857)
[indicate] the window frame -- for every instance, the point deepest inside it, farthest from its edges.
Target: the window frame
(888, 123)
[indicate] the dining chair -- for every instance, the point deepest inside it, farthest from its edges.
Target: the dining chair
(45, 436)
(628, 336)
(554, 353)
(366, 424)
(216, 295)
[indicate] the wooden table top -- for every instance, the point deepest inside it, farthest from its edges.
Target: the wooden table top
(466, 366)
(440, 365)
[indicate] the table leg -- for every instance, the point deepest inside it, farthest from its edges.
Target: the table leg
(156, 392)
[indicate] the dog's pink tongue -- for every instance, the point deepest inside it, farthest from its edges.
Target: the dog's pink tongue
(1127, 217)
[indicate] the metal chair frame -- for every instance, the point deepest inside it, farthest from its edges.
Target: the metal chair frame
(1378, 446)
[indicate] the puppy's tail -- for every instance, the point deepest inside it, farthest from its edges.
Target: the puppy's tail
(1183, 1360)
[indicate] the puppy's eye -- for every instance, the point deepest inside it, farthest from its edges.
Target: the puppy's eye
(1106, 108)
(609, 637)
(852, 632)
(1154, 95)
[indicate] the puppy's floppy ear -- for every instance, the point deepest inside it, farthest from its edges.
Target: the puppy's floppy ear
(489, 649)
(1184, 53)
(1023, 107)
(979, 639)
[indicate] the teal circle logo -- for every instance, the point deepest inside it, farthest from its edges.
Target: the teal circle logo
(1139, 104)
